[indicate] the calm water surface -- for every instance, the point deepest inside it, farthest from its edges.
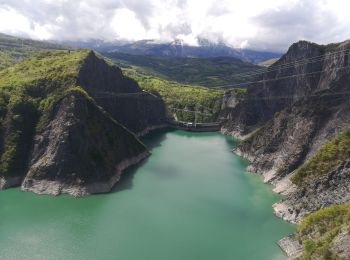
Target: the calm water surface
(190, 200)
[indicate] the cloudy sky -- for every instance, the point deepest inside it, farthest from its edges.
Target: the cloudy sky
(259, 24)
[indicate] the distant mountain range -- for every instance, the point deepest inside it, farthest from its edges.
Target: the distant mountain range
(177, 48)
(167, 64)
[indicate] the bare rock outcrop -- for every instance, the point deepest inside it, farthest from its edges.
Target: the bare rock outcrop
(302, 105)
(322, 192)
(81, 150)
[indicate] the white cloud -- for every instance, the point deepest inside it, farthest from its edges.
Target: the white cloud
(126, 25)
(268, 24)
(13, 22)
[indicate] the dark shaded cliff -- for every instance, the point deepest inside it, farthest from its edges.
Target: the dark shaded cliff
(81, 150)
(120, 95)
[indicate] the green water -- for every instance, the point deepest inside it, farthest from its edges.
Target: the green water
(190, 200)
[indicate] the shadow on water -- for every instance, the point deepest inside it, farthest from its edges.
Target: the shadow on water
(126, 180)
(152, 140)
(231, 141)
(156, 137)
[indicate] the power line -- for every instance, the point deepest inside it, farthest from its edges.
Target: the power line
(293, 63)
(279, 78)
(116, 95)
(340, 93)
(287, 65)
(319, 94)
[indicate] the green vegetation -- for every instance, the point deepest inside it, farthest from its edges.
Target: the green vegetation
(318, 230)
(28, 91)
(239, 92)
(47, 70)
(13, 49)
(5, 60)
(20, 121)
(181, 99)
(194, 71)
(181, 82)
(327, 159)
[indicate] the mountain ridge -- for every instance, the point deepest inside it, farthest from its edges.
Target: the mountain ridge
(177, 48)
(50, 125)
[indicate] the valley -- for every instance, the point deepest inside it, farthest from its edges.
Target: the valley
(210, 72)
(73, 122)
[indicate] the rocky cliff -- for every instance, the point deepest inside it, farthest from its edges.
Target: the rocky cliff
(58, 138)
(82, 150)
(295, 76)
(300, 104)
(294, 109)
(121, 96)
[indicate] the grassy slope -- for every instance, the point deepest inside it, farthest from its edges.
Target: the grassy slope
(55, 66)
(179, 96)
(327, 159)
(318, 230)
(28, 90)
(205, 72)
(5, 60)
(13, 49)
(180, 81)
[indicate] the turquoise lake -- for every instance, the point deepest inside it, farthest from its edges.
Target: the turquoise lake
(191, 199)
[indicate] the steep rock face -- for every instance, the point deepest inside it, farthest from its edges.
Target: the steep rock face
(269, 95)
(291, 246)
(310, 110)
(341, 245)
(96, 75)
(81, 150)
(295, 134)
(121, 96)
(290, 118)
(324, 191)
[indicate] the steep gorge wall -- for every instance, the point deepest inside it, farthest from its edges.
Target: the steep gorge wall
(268, 96)
(290, 118)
